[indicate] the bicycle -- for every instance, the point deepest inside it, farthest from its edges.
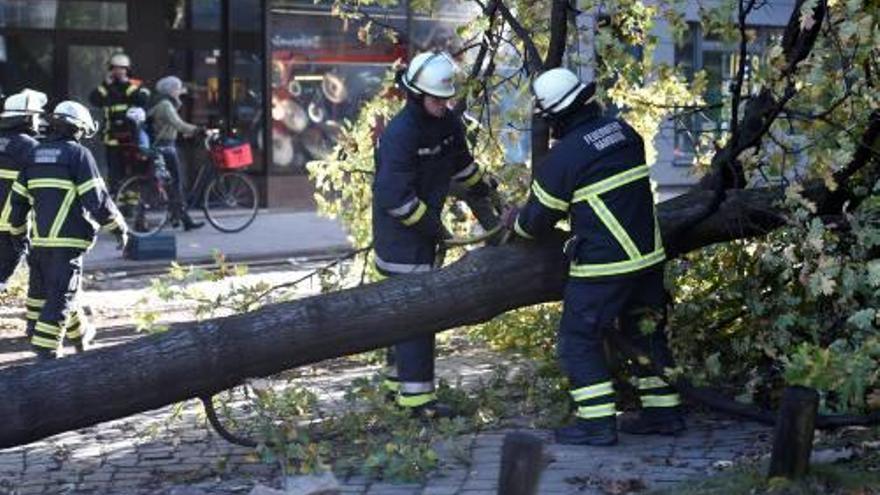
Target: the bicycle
(227, 196)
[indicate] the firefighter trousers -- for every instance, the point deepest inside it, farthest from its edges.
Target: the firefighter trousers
(410, 369)
(52, 310)
(638, 305)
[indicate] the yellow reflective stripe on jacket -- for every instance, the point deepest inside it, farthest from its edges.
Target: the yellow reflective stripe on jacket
(8, 174)
(35, 302)
(131, 89)
(61, 216)
(18, 230)
(50, 183)
(102, 90)
(32, 315)
(592, 392)
(415, 216)
(475, 178)
(21, 190)
(122, 107)
(61, 242)
(4, 214)
(637, 261)
(548, 199)
(618, 267)
(600, 411)
(670, 400)
(89, 185)
(617, 230)
(612, 182)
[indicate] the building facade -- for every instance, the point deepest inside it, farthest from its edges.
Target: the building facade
(307, 66)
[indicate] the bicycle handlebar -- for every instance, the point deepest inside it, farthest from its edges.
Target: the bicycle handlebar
(211, 134)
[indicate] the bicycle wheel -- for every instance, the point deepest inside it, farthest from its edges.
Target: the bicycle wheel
(230, 202)
(143, 204)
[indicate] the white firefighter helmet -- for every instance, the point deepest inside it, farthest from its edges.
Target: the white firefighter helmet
(76, 115)
(431, 73)
(27, 102)
(119, 60)
(555, 90)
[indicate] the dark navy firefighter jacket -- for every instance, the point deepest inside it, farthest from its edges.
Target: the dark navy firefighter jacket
(417, 157)
(597, 177)
(15, 149)
(63, 187)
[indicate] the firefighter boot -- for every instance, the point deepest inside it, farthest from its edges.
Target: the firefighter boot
(44, 355)
(597, 432)
(433, 410)
(654, 421)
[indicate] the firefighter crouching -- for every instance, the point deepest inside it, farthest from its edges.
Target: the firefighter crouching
(61, 184)
(596, 175)
(19, 123)
(421, 151)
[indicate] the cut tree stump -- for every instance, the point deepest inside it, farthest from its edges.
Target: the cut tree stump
(522, 459)
(793, 438)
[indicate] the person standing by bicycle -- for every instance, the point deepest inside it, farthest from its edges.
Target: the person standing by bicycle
(166, 125)
(116, 95)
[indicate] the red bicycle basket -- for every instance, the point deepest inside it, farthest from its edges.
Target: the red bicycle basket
(232, 156)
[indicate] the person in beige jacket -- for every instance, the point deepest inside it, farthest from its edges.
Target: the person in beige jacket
(167, 125)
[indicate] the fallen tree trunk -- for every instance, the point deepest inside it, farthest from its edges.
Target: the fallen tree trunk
(198, 359)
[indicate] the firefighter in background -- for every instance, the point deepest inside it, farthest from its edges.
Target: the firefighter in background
(61, 184)
(596, 175)
(19, 123)
(420, 152)
(116, 95)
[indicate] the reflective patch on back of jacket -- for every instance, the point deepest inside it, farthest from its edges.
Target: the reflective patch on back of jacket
(605, 136)
(47, 155)
(4, 143)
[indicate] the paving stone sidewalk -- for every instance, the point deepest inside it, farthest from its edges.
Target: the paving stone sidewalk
(151, 454)
(171, 451)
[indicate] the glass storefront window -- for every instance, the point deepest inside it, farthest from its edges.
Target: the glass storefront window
(321, 74)
(204, 15)
(26, 62)
(55, 14)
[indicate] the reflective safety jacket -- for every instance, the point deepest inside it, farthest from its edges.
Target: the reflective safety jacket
(417, 157)
(15, 149)
(61, 184)
(597, 176)
(116, 98)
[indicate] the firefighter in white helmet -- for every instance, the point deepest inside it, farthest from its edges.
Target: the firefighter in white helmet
(61, 185)
(19, 124)
(115, 96)
(596, 176)
(421, 151)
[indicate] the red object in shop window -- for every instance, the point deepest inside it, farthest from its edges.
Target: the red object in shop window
(232, 155)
